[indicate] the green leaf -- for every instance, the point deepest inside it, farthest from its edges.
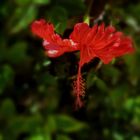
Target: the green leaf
(51, 124)
(3, 49)
(111, 73)
(134, 11)
(58, 16)
(132, 22)
(91, 79)
(68, 124)
(136, 138)
(17, 53)
(25, 124)
(133, 64)
(37, 137)
(6, 77)
(101, 85)
(129, 104)
(117, 94)
(40, 136)
(137, 100)
(7, 109)
(73, 8)
(62, 137)
(1, 137)
(118, 136)
(27, 2)
(22, 18)
(48, 136)
(22, 3)
(41, 2)
(136, 120)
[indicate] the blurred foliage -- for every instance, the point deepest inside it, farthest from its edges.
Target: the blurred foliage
(36, 101)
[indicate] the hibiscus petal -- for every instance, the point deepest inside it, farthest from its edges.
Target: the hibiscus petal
(42, 29)
(54, 45)
(114, 49)
(101, 42)
(79, 32)
(91, 34)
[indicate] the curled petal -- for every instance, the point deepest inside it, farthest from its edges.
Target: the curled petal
(100, 41)
(42, 29)
(54, 45)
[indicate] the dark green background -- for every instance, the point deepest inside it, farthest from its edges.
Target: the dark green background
(36, 101)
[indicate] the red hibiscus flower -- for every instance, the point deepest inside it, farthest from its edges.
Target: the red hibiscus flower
(99, 41)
